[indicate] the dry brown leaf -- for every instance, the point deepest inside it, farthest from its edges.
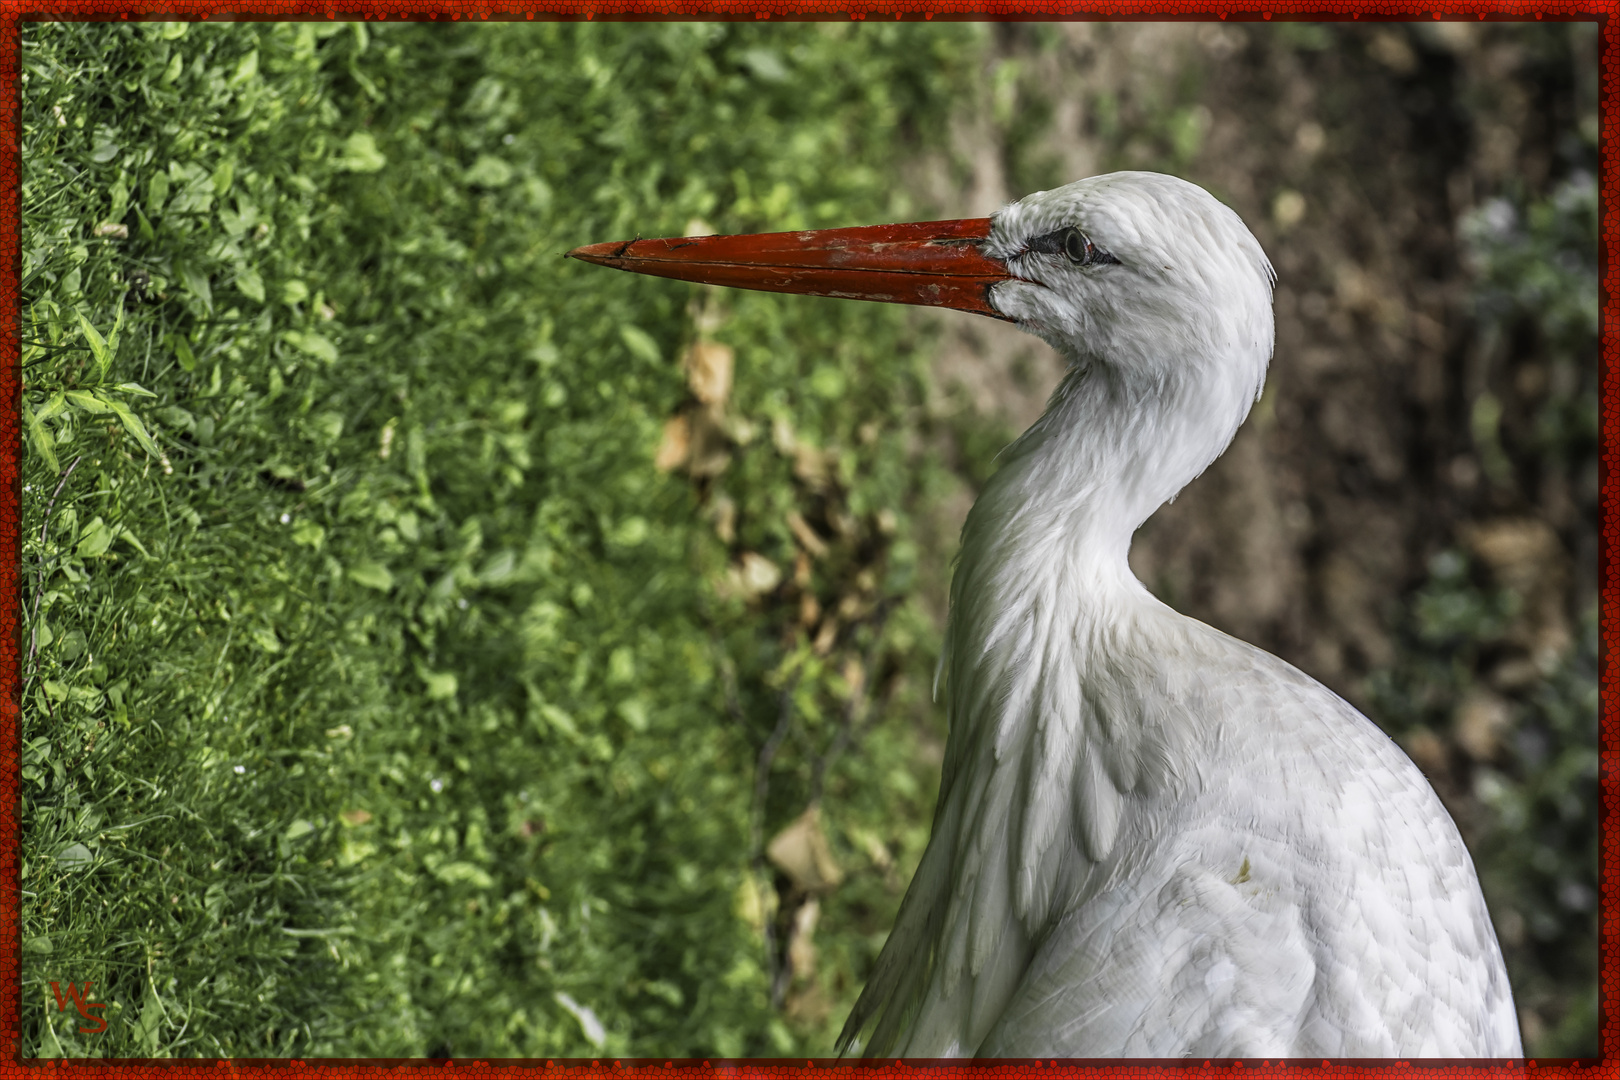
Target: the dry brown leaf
(710, 454)
(783, 436)
(802, 853)
(724, 513)
(756, 575)
(854, 675)
(805, 535)
(810, 465)
(1526, 557)
(801, 944)
(708, 372)
(675, 446)
(1481, 719)
(1518, 551)
(712, 463)
(853, 607)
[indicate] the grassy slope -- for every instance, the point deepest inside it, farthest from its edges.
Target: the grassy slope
(396, 699)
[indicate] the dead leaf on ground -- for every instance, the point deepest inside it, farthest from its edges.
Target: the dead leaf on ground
(711, 451)
(675, 446)
(854, 676)
(811, 465)
(802, 853)
(1526, 557)
(801, 946)
(723, 511)
(1518, 551)
(805, 535)
(1480, 721)
(708, 372)
(755, 575)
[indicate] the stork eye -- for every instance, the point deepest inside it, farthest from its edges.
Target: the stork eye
(1076, 247)
(1073, 245)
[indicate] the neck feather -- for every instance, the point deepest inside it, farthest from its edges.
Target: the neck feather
(1071, 491)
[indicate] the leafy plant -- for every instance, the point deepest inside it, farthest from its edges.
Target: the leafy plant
(399, 703)
(1484, 643)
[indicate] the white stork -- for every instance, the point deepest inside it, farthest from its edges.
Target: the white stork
(1152, 839)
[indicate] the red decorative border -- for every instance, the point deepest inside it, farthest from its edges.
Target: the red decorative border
(816, 10)
(13, 12)
(828, 1068)
(10, 528)
(1609, 603)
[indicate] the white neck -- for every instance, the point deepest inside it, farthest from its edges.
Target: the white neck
(1071, 491)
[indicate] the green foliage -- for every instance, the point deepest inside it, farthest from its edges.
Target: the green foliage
(1538, 290)
(1538, 858)
(1542, 855)
(1535, 302)
(158, 862)
(386, 700)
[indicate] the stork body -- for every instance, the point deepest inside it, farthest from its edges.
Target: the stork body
(1151, 839)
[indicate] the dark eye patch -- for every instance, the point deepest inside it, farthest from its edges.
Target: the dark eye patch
(1073, 245)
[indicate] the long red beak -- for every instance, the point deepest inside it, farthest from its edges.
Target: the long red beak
(937, 263)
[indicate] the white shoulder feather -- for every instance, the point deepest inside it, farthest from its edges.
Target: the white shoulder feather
(1041, 759)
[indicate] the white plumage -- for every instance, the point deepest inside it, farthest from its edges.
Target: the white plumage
(1153, 839)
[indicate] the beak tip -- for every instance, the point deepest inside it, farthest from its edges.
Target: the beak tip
(600, 254)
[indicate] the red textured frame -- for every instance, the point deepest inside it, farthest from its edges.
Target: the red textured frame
(13, 12)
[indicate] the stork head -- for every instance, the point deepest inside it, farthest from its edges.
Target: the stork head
(1144, 273)
(1141, 272)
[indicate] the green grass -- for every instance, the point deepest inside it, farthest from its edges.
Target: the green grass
(394, 697)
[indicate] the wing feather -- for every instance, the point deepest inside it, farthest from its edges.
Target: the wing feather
(1038, 763)
(1195, 964)
(1097, 805)
(1031, 785)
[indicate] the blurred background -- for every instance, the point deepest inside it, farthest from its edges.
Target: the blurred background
(433, 647)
